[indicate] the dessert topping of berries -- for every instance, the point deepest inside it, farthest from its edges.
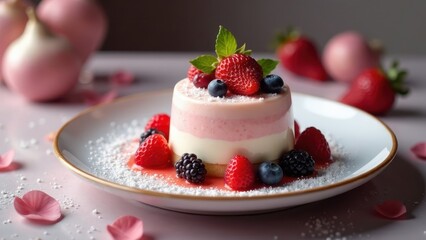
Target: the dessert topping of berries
(270, 173)
(313, 141)
(202, 80)
(271, 84)
(234, 65)
(148, 133)
(297, 163)
(160, 122)
(239, 174)
(217, 88)
(191, 168)
(154, 152)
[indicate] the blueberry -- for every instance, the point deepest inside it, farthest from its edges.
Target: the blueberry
(217, 88)
(272, 84)
(270, 173)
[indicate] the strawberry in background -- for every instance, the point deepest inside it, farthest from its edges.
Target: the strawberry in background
(298, 54)
(375, 90)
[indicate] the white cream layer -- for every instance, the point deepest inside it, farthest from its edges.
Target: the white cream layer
(267, 148)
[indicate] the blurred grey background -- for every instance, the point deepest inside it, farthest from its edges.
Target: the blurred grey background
(191, 25)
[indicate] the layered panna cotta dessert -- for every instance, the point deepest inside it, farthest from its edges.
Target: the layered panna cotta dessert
(260, 127)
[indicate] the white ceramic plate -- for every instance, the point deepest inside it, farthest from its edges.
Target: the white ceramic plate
(368, 143)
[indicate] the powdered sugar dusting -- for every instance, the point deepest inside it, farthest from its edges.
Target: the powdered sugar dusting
(109, 155)
(188, 89)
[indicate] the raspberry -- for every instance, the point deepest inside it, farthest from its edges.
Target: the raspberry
(192, 71)
(154, 152)
(297, 163)
(202, 80)
(191, 168)
(239, 174)
(313, 141)
(148, 133)
(241, 73)
(160, 122)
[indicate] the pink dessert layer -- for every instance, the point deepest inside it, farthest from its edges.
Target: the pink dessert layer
(233, 118)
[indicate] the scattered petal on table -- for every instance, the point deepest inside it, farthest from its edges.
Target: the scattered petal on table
(419, 150)
(37, 205)
(122, 77)
(6, 159)
(51, 136)
(391, 209)
(126, 228)
(93, 98)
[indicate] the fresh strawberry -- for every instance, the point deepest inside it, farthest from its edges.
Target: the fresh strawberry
(313, 141)
(239, 174)
(299, 55)
(241, 73)
(160, 122)
(234, 66)
(374, 90)
(154, 152)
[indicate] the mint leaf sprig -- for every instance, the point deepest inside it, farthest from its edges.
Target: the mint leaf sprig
(225, 46)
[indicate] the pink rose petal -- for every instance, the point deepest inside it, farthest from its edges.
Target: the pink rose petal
(93, 98)
(122, 78)
(126, 228)
(51, 136)
(6, 159)
(37, 205)
(419, 150)
(391, 209)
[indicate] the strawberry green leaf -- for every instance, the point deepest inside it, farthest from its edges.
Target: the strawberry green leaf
(243, 50)
(267, 65)
(396, 77)
(206, 63)
(226, 44)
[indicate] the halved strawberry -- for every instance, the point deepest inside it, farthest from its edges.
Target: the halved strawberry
(313, 141)
(239, 174)
(241, 73)
(154, 152)
(160, 122)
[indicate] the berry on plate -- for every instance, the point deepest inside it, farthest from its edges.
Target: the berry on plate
(160, 122)
(313, 141)
(191, 168)
(148, 133)
(154, 152)
(297, 163)
(239, 174)
(374, 90)
(299, 55)
(233, 65)
(270, 173)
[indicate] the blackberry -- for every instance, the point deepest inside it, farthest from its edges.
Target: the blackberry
(191, 168)
(297, 163)
(148, 133)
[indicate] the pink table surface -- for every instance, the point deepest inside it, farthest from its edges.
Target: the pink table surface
(87, 210)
